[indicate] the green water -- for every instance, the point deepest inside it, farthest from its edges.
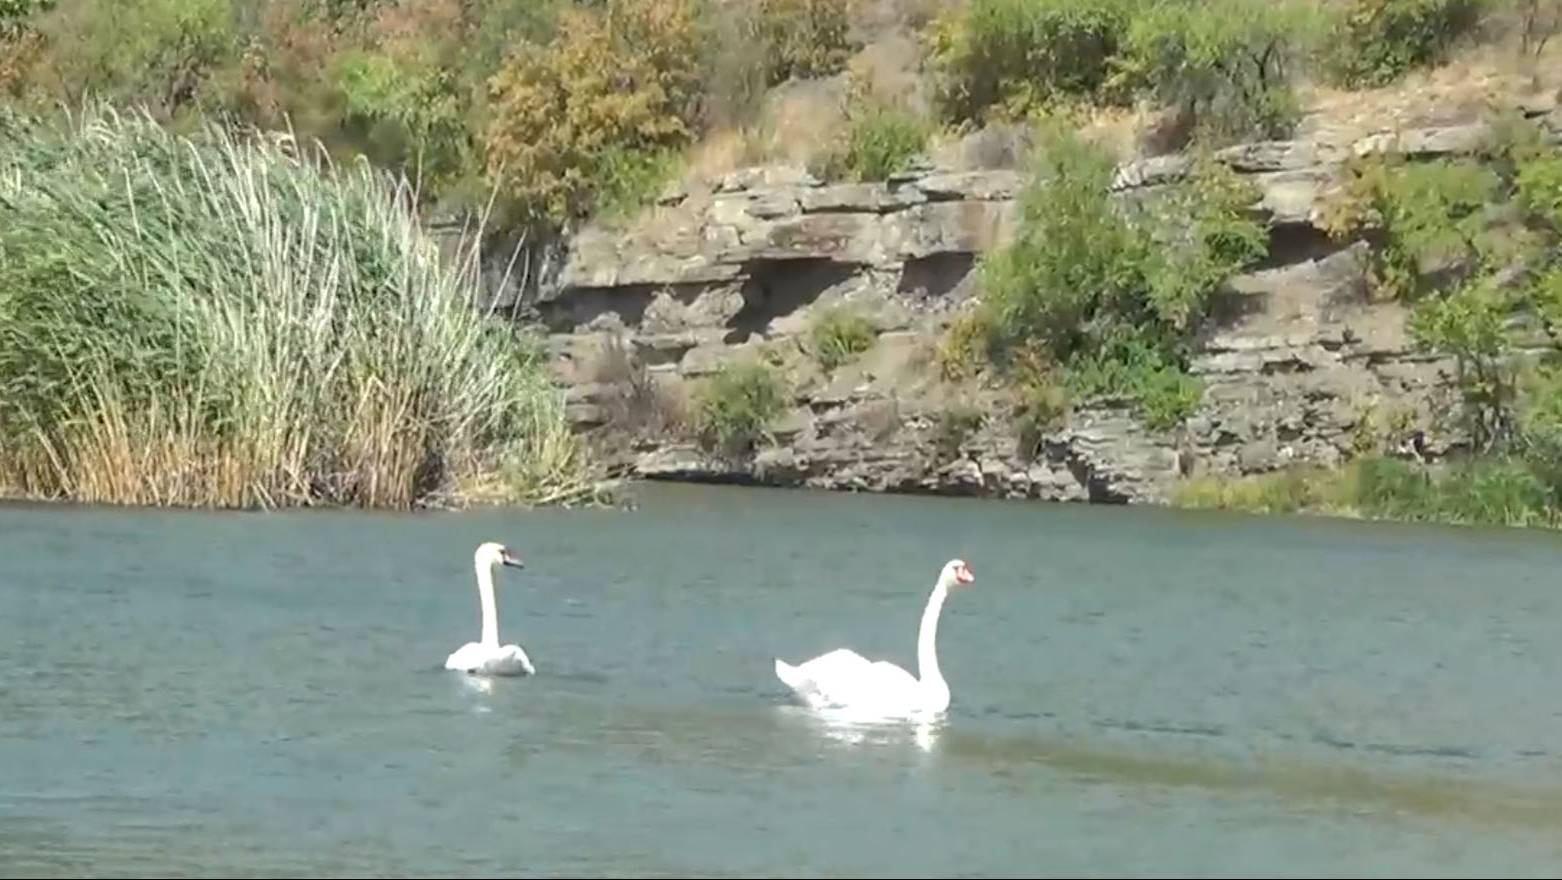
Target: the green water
(1135, 693)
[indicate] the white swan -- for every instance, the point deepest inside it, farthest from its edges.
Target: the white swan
(487, 656)
(845, 680)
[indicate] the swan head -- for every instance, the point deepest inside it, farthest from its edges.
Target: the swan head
(957, 574)
(493, 553)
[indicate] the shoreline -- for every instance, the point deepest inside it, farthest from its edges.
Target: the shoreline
(627, 497)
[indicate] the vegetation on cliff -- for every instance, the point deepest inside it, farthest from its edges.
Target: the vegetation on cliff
(1103, 298)
(1472, 247)
(571, 106)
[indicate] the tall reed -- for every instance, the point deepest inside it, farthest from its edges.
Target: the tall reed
(224, 320)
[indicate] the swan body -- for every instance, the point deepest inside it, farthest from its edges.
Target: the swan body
(845, 680)
(486, 656)
(480, 659)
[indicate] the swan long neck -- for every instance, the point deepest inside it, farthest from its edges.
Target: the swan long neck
(927, 638)
(485, 592)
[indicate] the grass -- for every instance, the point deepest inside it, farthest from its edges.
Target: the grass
(839, 335)
(1488, 491)
(219, 321)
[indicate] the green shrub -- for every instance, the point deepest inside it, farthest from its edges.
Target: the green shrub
(1134, 366)
(1472, 245)
(1113, 294)
(1497, 491)
(1071, 254)
(1229, 64)
(1501, 491)
(628, 180)
(210, 321)
(881, 139)
(409, 109)
(1013, 57)
(1375, 42)
(1539, 183)
(13, 10)
(734, 408)
(1429, 216)
(840, 335)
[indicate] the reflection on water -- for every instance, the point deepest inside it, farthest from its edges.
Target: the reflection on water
(845, 728)
(1431, 795)
(1442, 794)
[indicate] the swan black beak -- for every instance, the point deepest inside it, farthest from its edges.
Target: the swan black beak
(513, 562)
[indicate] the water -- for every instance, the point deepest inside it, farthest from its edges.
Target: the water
(1136, 693)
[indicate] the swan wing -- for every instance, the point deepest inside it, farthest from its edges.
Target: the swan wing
(843, 678)
(890, 677)
(513, 660)
(467, 658)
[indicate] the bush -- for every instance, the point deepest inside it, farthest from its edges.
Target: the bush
(208, 321)
(1111, 294)
(1228, 64)
(1469, 323)
(399, 81)
(753, 46)
(734, 409)
(413, 117)
(840, 335)
(881, 140)
(803, 38)
(1469, 244)
(1010, 58)
(963, 347)
(1375, 42)
(621, 78)
(1071, 254)
(1427, 216)
(1539, 184)
(160, 53)
(628, 180)
(1134, 366)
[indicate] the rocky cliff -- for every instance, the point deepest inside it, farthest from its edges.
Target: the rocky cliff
(1298, 365)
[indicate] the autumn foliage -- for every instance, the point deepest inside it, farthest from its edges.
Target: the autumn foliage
(616, 80)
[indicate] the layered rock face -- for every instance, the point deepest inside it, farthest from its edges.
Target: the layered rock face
(1299, 364)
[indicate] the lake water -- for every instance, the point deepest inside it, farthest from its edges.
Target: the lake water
(1135, 693)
